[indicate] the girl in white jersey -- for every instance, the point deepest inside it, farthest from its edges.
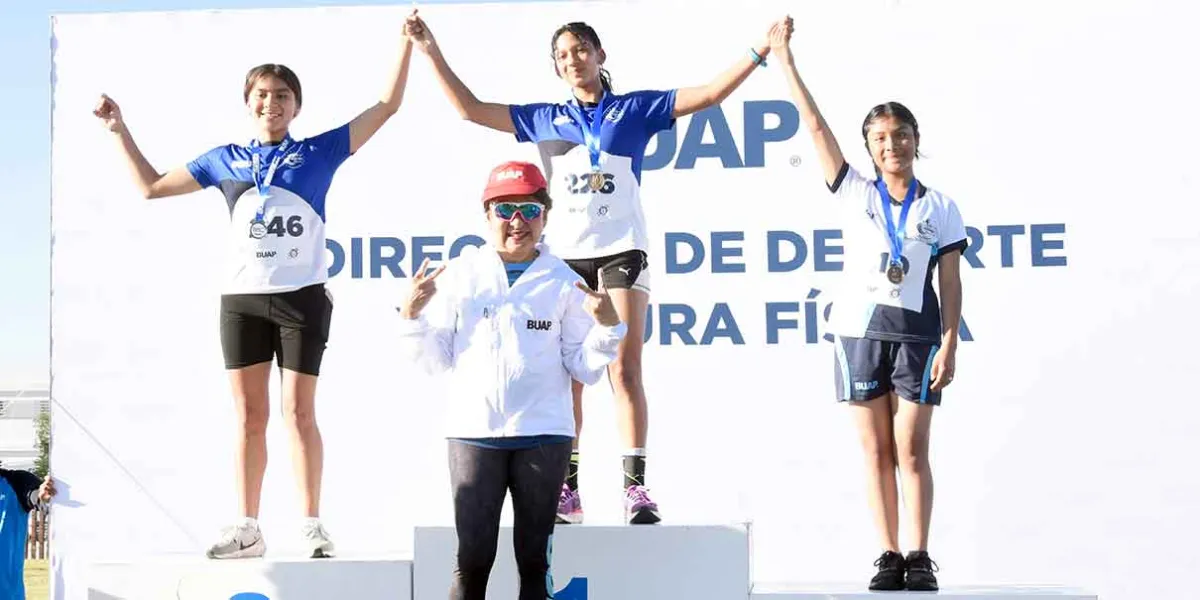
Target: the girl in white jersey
(274, 303)
(593, 145)
(894, 347)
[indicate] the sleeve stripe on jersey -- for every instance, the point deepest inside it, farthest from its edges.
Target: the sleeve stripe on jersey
(960, 245)
(837, 183)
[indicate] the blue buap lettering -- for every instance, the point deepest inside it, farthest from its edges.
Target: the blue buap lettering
(756, 135)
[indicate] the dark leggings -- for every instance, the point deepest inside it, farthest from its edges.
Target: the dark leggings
(479, 478)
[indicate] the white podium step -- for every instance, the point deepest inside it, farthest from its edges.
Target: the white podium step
(647, 562)
(809, 591)
(197, 578)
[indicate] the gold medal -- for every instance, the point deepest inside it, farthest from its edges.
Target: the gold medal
(895, 273)
(596, 181)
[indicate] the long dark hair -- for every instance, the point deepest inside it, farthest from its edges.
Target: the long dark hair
(585, 33)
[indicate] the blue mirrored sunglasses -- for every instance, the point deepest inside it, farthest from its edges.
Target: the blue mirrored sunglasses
(529, 211)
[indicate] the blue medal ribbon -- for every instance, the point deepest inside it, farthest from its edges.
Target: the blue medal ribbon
(590, 128)
(894, 231)
(263, 182)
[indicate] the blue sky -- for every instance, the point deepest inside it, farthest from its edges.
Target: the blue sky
(25, 168)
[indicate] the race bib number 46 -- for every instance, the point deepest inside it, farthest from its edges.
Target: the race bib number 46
(292, 226)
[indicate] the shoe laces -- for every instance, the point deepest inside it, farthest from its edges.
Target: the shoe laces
(637, 495)
(314, 529)
(922, 562)
(890, 560)
(230, 534)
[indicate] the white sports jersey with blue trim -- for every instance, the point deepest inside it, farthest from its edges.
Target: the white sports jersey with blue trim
(286, 250)
(867, 304)
(590, 223)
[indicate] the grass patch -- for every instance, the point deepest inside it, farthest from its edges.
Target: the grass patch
(37, 580)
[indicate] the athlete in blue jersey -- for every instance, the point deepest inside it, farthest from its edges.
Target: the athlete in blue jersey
(894, 346)
(592, 145)
(274, 303)
(20, 492)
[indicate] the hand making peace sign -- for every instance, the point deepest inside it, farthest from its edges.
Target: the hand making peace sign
(422, 291)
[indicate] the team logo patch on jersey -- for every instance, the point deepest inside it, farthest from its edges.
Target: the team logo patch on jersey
(563, 120)
(614, 114)
(293, 160)
(927, 232)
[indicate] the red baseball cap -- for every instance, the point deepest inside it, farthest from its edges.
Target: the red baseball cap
(514, 178)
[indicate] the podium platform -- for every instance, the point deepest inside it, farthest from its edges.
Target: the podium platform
(198, 578)
(660, 562)
(810, 591)
(588, 562)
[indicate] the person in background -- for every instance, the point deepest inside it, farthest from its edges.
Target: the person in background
(20, 493)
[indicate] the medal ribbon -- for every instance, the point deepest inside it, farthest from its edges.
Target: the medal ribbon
(264, 185)
(894, 231)
(590, 129)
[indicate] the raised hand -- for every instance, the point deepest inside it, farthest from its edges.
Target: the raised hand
(416, 30)
(422, 291)
(600, 305)
(779, 37)
(109, 113)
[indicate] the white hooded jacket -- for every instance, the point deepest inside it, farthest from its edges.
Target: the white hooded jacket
(509, 353)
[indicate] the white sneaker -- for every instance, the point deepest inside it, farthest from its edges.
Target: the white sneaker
(243, 540)
(317, 539)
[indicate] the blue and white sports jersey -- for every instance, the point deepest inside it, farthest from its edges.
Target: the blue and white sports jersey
(593, 223)
(284, 251)
(869, 306)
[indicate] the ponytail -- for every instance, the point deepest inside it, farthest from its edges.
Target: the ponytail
(606, 80)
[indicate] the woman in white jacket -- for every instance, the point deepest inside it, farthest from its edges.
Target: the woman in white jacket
(510, 325)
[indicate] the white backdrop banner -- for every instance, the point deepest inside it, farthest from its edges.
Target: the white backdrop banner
(1061, 453)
